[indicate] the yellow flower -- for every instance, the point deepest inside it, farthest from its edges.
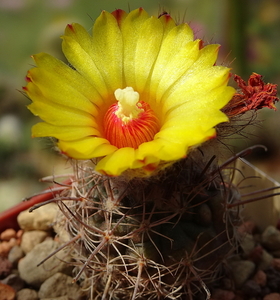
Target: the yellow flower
(137, 94)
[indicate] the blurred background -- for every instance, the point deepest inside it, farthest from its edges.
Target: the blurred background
(249, 32)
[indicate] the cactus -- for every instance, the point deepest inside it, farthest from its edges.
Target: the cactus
(163, 237)
(150, 212)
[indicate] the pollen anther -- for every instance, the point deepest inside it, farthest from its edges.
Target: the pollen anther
(128, 106)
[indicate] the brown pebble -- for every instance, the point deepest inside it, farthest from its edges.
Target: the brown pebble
(7, 292)
(5, 248)
(5, 267)
(20, 233)
(276, 264)
(272, 296)
(12, 242)
(256, 254)
(27, 294)
(247, 227)
(220, 294)
(8, 234)
(260, 278)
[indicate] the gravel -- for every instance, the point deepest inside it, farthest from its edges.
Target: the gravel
(252, 273)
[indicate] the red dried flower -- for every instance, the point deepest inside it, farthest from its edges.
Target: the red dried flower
(252, 96)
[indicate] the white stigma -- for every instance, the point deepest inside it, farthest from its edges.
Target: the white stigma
(127, 103)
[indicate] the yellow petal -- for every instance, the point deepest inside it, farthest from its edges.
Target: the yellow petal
(146, 52)
(185, 138)
(190, 124)
(130, 32)
(86, 148)
(107, 50)
(84, 64)
(160, 149)
(63, 79)
(67, 133)
(202, 106)
(118, 162)
(60, 115)
(171, 65)
(192, 86)
(60, 92)
(208, 56)
(78, 33)
(168, 24)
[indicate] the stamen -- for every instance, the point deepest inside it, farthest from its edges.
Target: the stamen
(130, 122)
(127, 102)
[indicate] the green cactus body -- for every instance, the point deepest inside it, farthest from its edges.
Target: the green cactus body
(158, 238)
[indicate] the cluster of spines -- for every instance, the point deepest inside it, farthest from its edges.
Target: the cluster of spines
(127, 235)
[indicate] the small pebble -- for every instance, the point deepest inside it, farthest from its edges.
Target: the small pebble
(7, 292)
(5, 267)
(241, 271)
(220, 294)
(5, 247)
(247, 244)
(32, 238)
(14, 281)
(8, 234)
(19, 234)
(57, 298)
(265, 261)
(256, 254)
(273, 279)
(251, 288)
(276, 264)
(15, 255)
(36, 275)
(260, 278)
(60, 285)
(227, 283)
(247, 227)
(271, 238)
(39, 219)
(272, 296)
(27, 294)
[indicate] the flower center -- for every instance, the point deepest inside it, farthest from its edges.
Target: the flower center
(130, 122)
